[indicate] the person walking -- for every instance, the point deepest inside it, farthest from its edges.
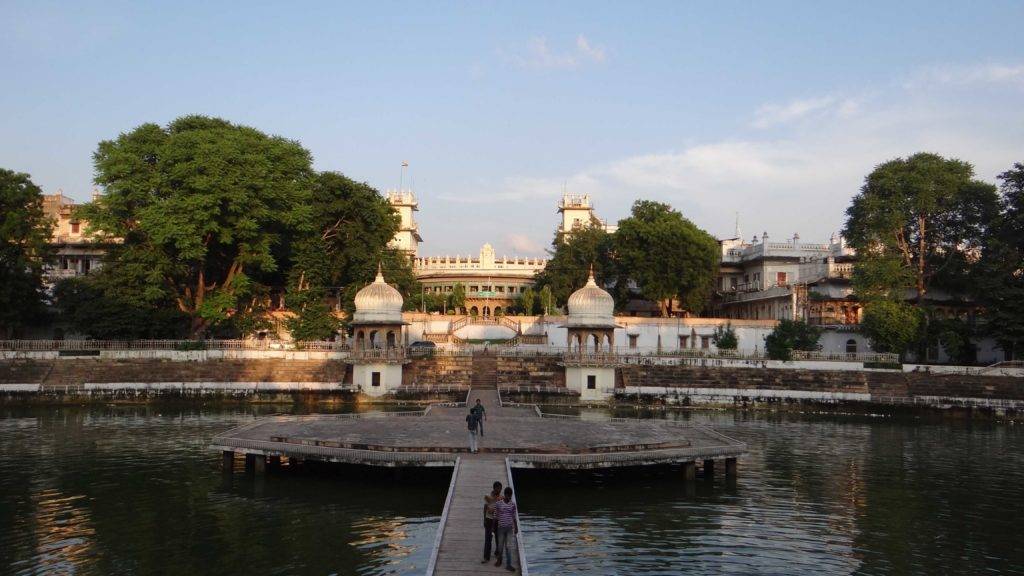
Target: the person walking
(473, 423)
(490, 525)
(508, 526)
(481, 412)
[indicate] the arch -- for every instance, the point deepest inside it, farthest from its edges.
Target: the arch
(579, 342)
(497, 310)
(391, 340)
(851, 346)
(597, 341)
(487, 311)
(360, 339)
(372, 339)
(608, 341)
(473, 311)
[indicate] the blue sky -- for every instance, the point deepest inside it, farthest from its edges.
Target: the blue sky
(772, 110)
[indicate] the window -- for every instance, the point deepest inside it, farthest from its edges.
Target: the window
(705, 342)
(591, 382)
(74, 227)
(632, 340)
(683, 340)
(732, 282)
(474, 288)
(757, 277)
(375, 379)
(851, 346)
(780, 278)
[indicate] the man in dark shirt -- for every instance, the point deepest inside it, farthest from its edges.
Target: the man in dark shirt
(481, 415)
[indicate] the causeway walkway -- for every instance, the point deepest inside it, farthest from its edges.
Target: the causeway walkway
(461, 546)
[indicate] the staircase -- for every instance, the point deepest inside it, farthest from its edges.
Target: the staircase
(485, 371)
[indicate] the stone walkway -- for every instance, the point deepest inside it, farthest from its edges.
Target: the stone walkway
(462, 542)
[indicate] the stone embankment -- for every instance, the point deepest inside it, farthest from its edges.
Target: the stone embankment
(734, 385)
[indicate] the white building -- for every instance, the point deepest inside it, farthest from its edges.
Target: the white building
(407, 239)
(578, 212)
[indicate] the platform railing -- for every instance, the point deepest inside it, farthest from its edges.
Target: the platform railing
(178, 345)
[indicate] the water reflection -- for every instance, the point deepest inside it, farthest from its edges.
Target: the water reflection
(108, 490)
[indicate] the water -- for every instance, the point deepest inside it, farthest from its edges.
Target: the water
(132, 490)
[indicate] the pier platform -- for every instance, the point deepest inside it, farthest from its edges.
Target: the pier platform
(513, 437)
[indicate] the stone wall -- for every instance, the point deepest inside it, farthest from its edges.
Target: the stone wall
(537, 370)
(438, 371)
(68, 372)
(877, 384)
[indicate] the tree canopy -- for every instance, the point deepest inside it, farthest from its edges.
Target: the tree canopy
(571, 258)
(667, 256)
(24, 249)
(789, 335)
(207, 204)
(917, 221)
(999, 274)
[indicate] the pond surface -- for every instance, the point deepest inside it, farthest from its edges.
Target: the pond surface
(133, 490)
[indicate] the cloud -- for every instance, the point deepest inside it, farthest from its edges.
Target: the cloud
(968, 75)
(537, 55)
(769, 115)
(521, 244)
(801, 177)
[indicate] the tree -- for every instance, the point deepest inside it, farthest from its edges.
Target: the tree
(527, 301)
(457, 299)
(24, 249)
(891, 325)
(790, 335)
(547, 299)
(915, 222)
(999, 273)
(667, 256)
(725, 338)
(208, 204)
(571, 258)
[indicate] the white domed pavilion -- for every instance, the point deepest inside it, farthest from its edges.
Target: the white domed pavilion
(377, 322)
(591, 317)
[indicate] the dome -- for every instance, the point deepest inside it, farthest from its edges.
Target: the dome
(591, 306)
(378, 303)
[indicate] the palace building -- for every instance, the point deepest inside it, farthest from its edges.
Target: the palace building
(76, 252)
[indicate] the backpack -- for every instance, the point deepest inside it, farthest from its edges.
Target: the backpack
(472, 420)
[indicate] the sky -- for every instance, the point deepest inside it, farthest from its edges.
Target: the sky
(769, 112)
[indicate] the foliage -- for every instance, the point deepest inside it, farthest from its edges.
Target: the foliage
(527, 301)
(24, 249)
(457, 298)
(114, 303)
(999, 273)
(209, 204)
(667, 256)
(313, 321)
(790, 335)
(547, 300)
(915, 222)
(891, 326)
(725, 338)
(955, 337)
(571, 258)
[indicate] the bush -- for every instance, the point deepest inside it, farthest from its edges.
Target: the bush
(891, 326)
(790, 335)
(189, 345)
(725, 338)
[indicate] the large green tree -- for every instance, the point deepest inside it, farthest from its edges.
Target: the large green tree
(667, 256)
(24, 249)
(892, 325)
(789, 335)
(999, 273)
(917, 222)
(571, 258)
(207, 204)
(350, 229)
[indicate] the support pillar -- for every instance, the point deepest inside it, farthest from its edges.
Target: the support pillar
(228, 461)
(709, 468)
(730, 467)
(273, 463)
(250, 463)
(689, 471)
(260, 462)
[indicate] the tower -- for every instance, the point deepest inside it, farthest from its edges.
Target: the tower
(576, 211)
(407, 238)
